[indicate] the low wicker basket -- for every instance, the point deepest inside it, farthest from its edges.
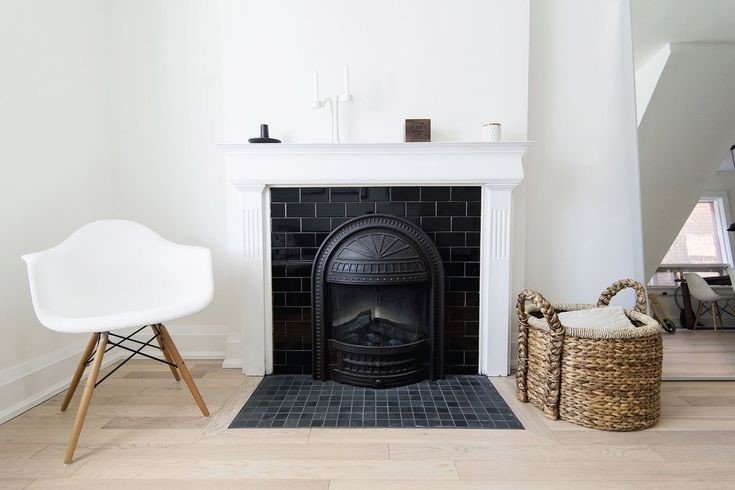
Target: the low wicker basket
(598, 378)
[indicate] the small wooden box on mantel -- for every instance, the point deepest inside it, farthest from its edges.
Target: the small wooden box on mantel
(418, 130)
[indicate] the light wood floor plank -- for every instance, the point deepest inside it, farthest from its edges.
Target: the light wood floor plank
(266, 469)
(246, 450)
(507, 452)
(525, 485)
(595, 471)
(159, 484)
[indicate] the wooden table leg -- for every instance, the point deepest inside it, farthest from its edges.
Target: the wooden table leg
(688, 310)
(86, 398)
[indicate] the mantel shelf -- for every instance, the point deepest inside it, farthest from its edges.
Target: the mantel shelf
(378, 148)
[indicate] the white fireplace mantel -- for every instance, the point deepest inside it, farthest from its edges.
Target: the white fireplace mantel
(251, 170)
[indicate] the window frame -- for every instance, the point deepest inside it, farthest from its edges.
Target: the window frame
(721, 203)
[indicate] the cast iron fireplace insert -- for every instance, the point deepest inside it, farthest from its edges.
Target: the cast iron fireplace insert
(378, 304)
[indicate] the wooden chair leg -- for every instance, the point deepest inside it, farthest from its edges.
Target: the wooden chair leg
(166, 353)
(696, 317)
(80, 370)
(169, 344)
(716, 315)
(86, 398)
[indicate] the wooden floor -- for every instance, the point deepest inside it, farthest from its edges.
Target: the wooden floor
(699, 354)
(144, 432)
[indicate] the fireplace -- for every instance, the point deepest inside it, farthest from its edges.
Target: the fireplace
(378, 304)
(269, 328)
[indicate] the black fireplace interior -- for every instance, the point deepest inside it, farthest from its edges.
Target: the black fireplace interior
(361, 316)
(377, 316)
(378, 304)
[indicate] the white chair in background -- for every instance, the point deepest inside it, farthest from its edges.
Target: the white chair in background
(111, 275)
(707, 297)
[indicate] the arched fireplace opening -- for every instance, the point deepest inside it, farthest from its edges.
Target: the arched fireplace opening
(378, 304)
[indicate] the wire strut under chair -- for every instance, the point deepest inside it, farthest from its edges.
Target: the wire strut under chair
(143, 345)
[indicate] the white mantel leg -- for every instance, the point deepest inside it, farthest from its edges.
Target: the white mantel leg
(250, 338)
(495, 280)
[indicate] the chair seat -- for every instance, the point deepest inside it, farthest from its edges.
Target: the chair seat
(122, 318)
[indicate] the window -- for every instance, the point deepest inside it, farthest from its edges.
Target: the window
(703, 244)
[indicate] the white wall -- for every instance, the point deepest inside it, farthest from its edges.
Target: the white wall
(583, 210)
(165, 126)
(459, 63)
(54, 173)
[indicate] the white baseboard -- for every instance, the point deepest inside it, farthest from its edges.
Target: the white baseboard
(30, 383)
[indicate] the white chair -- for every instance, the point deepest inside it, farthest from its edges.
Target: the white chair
(117, 274)
(707, 297)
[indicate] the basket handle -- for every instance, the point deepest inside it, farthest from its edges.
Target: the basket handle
(641, 302)
(553, 352)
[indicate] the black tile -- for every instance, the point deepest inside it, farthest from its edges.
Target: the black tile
(308, 254)
(473, 239)
(298, 270)
(278, 270)
(285, 194)
(278, 210)
(454, 269)
(314, 194)
(449, 208)
(405, 193)
(285, 224)
(300, 210)
(474, 208)
(329, 209)
(466, 193)
(315, 224)
(466, 224)
(281, 254)
(466, 254)
(420, 209)
(472, 269)
(473, 299)
(464, 284)
(360, 208)
(457, 401)
(371, 194)
(449, 239)
(344, 194)
(392, 208)
(279, 299)
(455, 299)
(286, 284)
(298, 299)
(435, 194)
(436, 224)
(337, 222)
(278, 240)
(300, 239)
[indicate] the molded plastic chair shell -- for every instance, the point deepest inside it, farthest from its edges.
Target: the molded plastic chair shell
(731, 273)
(115, 274)
(702, 291)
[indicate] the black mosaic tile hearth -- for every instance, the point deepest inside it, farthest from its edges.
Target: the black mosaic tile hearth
(299, 401)
(303, 217)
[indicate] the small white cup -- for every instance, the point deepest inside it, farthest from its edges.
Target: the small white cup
(490, 132)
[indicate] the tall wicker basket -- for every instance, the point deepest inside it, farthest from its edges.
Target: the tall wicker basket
(603, 379)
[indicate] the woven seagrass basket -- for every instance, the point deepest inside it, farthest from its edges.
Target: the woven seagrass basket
(598, 378)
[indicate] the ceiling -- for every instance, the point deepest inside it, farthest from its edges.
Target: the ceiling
(657, 22)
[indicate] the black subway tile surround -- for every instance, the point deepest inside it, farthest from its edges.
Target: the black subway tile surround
(301, 220)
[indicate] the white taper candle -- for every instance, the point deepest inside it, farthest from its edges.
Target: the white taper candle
(347, 80)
